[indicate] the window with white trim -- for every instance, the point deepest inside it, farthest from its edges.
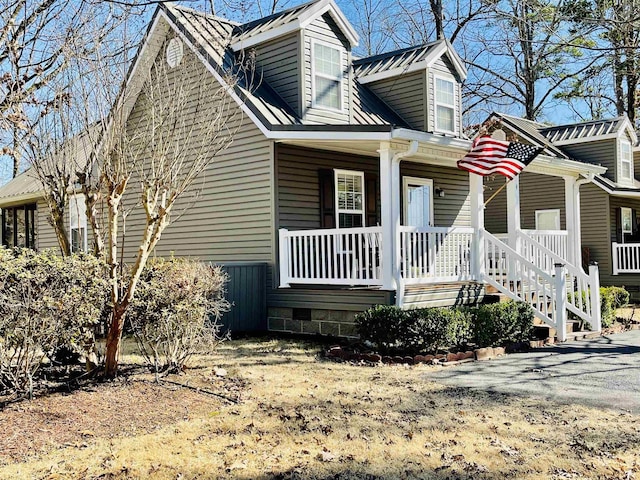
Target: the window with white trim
(548, 219)
(349, 198)
(626, 220)
(77, 223)
(626, 160)
(327, 74)
(445, 104)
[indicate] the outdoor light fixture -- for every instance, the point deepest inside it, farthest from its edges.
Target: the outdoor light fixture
(440, 192)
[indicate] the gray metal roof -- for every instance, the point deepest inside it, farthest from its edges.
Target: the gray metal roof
(23, 185)
(530, 130)
(213, 35)
(577, 131)
(392, 60)
(255, 27)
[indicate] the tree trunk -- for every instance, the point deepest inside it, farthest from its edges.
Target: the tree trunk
(57, 221)
(114, 337)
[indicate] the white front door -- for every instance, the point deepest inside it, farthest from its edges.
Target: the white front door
(418, 201)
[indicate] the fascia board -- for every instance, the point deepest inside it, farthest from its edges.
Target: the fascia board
(329, 6)
(267, 36)
(394, 72)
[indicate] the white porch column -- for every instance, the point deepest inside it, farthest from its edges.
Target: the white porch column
(390, 214)
(476, 191)
(577, 228)
(513, 220)
(571, 213)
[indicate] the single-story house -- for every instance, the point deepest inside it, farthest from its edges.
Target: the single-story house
(342, 179)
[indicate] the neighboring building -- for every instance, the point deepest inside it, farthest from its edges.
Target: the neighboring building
(342, 178)
(610, 205)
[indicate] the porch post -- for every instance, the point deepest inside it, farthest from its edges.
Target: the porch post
(477, 222)
(388, 190)
(577, 227)
(513, 219)
(571, 213)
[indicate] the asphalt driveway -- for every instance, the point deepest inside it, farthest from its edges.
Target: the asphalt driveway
(602, 372)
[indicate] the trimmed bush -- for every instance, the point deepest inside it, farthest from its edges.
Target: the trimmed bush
(382, 326)
(175, 311)
(500, 323)
(429, 330)
(611, 298)
(47, 304)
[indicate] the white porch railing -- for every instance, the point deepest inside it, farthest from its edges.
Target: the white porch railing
(528, 278)
(552, 240)
(347, 256)
(436, 254)
(626, 257)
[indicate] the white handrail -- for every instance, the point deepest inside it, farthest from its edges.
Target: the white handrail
(432, 254)
(520, 279)
(579, 285)
(337, 256)
(626, 257)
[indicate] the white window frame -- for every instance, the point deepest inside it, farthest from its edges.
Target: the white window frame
(340, 78)
(621, 177)
(82, 220)
(354, 173)
(436, 104)
(629, 211)
(555, 211)
(406, 181)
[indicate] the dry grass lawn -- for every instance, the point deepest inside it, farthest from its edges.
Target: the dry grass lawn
(305, 418)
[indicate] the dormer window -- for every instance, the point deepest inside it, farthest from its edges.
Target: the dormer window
(445, 106)
(626, 161)
(327, 76)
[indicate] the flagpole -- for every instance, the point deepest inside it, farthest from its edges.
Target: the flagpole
(496, 193)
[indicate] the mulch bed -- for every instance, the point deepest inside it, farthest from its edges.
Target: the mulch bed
(125, 406)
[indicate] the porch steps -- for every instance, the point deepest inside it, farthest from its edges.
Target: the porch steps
(443, 295)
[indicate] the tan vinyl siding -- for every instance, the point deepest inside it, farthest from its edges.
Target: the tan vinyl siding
(537, 192)
(628, 280)
(443, 68)
(298, 184)
(454, 208)
(594, 228)
(406, 95)
(279, 63)
(227, 214)
(602, 152)
(325, 30)
(298, 198)
(45, 233)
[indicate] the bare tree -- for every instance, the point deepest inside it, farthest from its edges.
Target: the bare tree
(38, 40)
(151, 156)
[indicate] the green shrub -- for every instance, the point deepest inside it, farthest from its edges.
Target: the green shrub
(47, 303)
(382, 326)
(500, 323)
(429, 330)
(610, 299)
(175, 311)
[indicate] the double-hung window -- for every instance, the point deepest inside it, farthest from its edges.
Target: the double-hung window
(445, 105)
(349, 198)
(327, 76)
(626, 161)
(77, 223)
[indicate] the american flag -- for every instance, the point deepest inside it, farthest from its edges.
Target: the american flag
(488, 156)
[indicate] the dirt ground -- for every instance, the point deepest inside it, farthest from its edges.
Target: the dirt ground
(280, 412)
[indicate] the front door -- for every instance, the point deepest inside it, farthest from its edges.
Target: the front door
(418, 201)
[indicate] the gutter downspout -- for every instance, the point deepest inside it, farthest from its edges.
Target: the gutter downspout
(395, 217)
(577, 226)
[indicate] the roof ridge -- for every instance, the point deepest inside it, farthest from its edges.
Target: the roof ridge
(586, 122)
(380, 56)
(201, 14)
(266, 18)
